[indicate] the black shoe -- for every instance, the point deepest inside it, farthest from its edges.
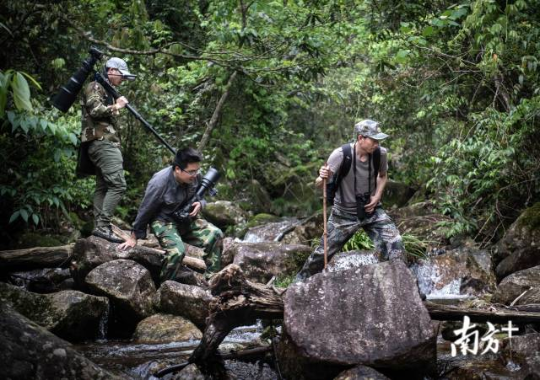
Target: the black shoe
(105, 232)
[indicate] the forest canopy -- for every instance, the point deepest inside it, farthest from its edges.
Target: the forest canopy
(266, 89)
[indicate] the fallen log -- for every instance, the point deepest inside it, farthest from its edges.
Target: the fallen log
(37, 257)
(494, 314)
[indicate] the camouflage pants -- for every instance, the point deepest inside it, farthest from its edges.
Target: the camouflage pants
(110, 181)
(342, 226)
(199, 233)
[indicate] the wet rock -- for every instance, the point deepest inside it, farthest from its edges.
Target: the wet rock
(190, 302)
(513, 286)
(519, 247)
(522, 353)
(352, 259)
(273, 231)
(46, 280)
(371, 315)
(479, 367)
(92, 252)
(224, 214)
(70, 314)
(191, 372)
(361, 373)
(396, 194)
(460, 271)
(261, 261)
(128, 286)
(28, 351)
(165, 328)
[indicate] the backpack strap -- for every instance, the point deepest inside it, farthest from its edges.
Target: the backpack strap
(345, 166)
(376, 157)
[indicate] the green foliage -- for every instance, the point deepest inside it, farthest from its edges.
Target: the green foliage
(456, 86)
(359, 241)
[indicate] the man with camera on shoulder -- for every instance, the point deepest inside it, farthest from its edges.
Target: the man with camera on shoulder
(101, 141)
(359, 174)
(163, 207)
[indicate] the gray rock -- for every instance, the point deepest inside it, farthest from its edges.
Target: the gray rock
(128, 286)
(463, 271)
(371, 315)
(520, 247)
(522, 352)
(273, 231)
(261, 261)
(188, 301)
(28, 351)
(165, 328)
(70, 314)
(92, 252)
(47, 280)
(352, 259)
(361, 372)
(224, 214)
(511, 287)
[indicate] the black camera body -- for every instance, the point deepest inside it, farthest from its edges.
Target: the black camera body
(208, 182)
(361, 202)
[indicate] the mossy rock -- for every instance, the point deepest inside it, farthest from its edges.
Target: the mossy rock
(530, 218)
(34, 239)
(262, 218)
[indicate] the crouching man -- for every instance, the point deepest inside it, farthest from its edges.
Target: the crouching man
(168, 191)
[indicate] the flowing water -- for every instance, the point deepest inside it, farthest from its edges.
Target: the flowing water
(140, 361)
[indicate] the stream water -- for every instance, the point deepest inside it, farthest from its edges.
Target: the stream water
(140, 361)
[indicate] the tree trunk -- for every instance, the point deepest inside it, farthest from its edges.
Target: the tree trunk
(217, 111)
(37, 257)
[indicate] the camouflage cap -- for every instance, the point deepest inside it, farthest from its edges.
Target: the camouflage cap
(369, 128)
(121, 65)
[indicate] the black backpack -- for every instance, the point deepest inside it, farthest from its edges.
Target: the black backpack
(335, 181)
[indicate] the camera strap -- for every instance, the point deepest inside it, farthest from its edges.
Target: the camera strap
(369, 171)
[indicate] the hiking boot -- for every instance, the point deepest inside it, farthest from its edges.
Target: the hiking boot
(105, 232)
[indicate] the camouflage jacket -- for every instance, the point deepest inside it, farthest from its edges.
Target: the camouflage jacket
(98, 118)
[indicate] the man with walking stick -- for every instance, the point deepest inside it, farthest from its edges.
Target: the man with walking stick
(357, 174)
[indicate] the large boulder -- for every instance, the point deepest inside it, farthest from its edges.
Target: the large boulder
(28, 351)
(92, 252)
(519, 247)
(165, 328)
(187, 301)
(224, 214)
(70, 314)
(128, 286)
(524, 284)
(462, 271)
(353, 259)
(371, 315)
(261, 261)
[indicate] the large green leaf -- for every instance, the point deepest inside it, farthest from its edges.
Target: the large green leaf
(21, 93)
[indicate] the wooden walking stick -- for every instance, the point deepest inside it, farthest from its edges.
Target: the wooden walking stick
(325, 232)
